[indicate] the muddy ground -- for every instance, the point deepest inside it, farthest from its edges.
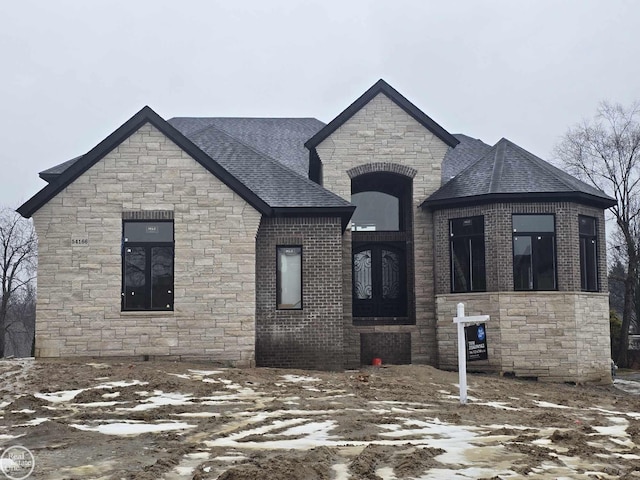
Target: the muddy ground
(163, 420)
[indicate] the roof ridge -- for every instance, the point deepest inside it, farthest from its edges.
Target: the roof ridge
(246, 118)
(544, 165)
(497, 164)
(488, 153)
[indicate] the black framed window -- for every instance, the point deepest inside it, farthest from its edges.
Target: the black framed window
(534, 252)
(588, 229)
(289, 277)
(379, 281)
(147, 265)
(467, 253)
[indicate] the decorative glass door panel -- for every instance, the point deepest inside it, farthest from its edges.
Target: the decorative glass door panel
(379, 281)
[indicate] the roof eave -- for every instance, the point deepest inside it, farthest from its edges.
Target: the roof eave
(578, 197)
(382, 87)
(345, 213)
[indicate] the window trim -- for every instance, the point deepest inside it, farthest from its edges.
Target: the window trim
(531, 235)
(470, 237)
(278, 279)
(148, 284)
(594, 237)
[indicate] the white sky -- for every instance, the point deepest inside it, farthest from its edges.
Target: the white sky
(74, 71)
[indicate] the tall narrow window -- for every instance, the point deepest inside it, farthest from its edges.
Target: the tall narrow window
(147, 265)
(467, 255)
(534, 255)
(289, 278)
(588, 254)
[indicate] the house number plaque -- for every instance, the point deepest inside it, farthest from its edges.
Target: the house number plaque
(79, 240)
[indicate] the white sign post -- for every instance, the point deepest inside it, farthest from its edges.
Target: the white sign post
(462, 351)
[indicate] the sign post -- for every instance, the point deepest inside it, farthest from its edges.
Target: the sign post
(460, 319)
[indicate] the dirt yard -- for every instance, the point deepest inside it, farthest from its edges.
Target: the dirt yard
(161, 420)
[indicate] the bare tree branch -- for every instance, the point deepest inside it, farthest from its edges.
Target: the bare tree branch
(605, 152)
(18, 246)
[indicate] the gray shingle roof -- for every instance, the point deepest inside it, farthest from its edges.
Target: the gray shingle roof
(266, 184)
(277, 185)
(507, 171)
(467, 152)
(52, 173)
(241, 146)
(280, 138)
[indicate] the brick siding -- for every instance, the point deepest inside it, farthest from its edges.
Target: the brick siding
(313, 336)
(391, 348)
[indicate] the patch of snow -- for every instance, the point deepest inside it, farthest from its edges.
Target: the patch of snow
(4, 404)
(184, 376)
(230, 458)
(499, 405)
(299, 378)
(24, 410)
(471, 473)
(308, 429)
(160, 399)
(542, 404)
(205, 373)
(99, 366)
(316, 434)
(111, 395)
(131, 428)
(627, 386)
(197, 414)
(619, 429)
(34, 422)
(121, 383)
(4, 436)
(341, 471)
(506, 425)
(199, 455)
(386, 473)
(59, 397)
(97, 404)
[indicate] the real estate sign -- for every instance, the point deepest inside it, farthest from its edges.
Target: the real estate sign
(476, 341)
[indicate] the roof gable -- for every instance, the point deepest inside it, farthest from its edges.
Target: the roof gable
(146, 115)
(270, 187)
(509, 172)
(382, 87)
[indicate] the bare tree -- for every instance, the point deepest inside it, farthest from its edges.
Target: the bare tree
(605, 152)
(17, 263)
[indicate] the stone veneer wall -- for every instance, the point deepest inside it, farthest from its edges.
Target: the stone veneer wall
(79, 286)
(554, 336)
(313, 336)
(381, 132)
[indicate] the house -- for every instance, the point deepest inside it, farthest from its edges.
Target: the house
(285, 242)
